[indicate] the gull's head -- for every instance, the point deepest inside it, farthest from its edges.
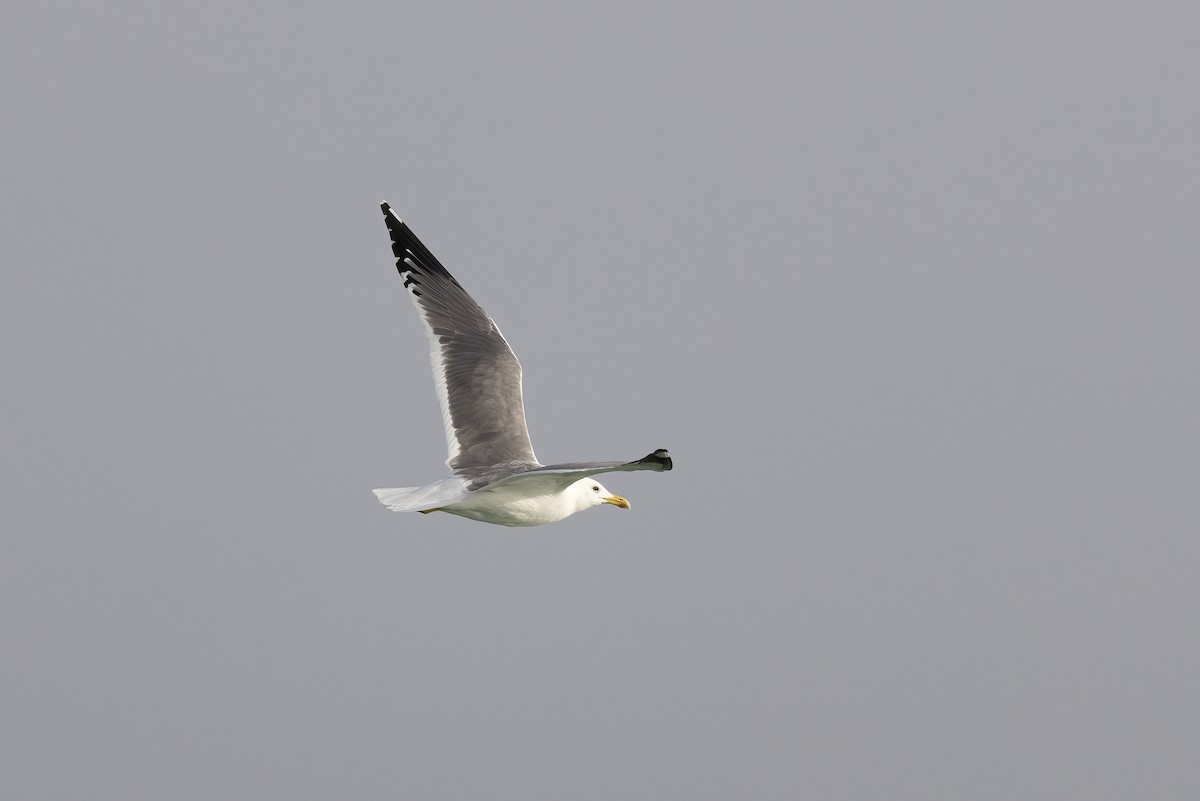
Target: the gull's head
(592, 493)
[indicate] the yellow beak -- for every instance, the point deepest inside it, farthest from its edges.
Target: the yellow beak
(617, 500)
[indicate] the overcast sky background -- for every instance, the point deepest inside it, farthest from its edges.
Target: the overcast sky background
(910, 291)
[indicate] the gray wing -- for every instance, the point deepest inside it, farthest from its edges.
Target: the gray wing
(477, 377)
(560, 476)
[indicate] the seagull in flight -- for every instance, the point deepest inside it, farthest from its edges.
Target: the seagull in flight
(496, 477)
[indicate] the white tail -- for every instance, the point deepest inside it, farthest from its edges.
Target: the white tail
(415, 499)
(396, 498)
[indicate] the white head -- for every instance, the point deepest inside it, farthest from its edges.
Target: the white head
(590, 492)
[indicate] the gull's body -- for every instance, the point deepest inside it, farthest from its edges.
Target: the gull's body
(497, 479)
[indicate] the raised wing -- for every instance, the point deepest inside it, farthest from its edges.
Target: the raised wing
(477, 377)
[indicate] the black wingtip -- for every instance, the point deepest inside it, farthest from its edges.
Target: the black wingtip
(407, 248)
(660, 457)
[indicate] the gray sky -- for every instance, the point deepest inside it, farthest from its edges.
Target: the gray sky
(909, 291)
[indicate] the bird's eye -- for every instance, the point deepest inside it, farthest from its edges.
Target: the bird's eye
(595, 489)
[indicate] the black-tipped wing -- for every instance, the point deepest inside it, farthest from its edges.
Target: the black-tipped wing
(477, 377)
(560, 476)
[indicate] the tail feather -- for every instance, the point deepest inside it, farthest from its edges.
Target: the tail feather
(417, 499)
(395, 498)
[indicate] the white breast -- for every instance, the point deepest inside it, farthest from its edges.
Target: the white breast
(509, 505)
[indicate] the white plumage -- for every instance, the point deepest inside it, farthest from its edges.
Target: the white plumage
(497, 479)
